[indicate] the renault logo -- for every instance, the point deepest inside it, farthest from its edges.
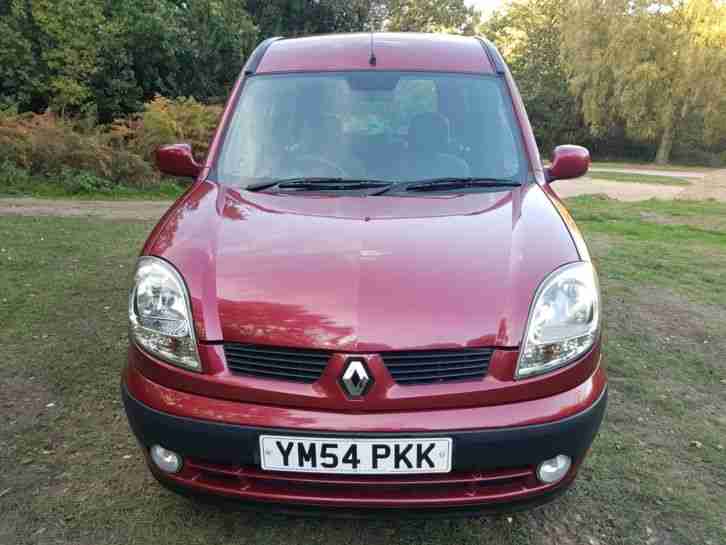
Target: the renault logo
(356, 379)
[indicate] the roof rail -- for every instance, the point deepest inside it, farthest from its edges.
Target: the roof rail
(256, 57)
(500, 67)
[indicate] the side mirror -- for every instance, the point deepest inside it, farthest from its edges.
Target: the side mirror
(177, 160)
(568, 162)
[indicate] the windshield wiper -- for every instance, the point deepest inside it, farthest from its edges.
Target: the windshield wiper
(443, 184)
(321, 183)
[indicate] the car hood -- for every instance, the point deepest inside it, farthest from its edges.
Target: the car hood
(363, 274)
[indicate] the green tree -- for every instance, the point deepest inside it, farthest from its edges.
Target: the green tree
(648, 65)
(427, 16)
(53, 50)
(301, 17)
(529, 33)
(190, 48)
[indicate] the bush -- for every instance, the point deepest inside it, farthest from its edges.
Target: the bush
(14, 180)
(78, 182)
(50, 147)
(167, 121)
(78, 156)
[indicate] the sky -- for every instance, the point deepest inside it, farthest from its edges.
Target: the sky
(485, 6)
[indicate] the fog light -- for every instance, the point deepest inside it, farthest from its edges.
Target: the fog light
(166, 460)
(552, 470)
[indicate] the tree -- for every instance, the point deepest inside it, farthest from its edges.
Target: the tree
(426, 16)
(302, 17)
(528, 34)
(648, 65)
(105, 57)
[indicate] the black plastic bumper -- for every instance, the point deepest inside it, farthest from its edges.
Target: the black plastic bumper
(472, 449)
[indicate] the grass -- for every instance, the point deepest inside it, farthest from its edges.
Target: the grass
(164, 190)
(649, 166)
(72, 473)
(638, 178)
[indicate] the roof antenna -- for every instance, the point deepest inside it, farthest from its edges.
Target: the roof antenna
(372, 59)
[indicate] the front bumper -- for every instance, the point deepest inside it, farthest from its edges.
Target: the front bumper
(492, 467)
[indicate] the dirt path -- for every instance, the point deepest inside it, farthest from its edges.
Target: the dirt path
(709, 186)
(616, 190)
(655, 172)
(712, 187)
(119, 210)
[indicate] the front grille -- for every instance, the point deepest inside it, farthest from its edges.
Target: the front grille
(429, 366)
(406, 367)
(295, 364)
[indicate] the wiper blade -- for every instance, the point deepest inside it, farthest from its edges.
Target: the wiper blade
(443, 184)
(321, 183)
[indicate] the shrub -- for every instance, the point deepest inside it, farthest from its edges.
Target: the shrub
(128, 168)
(168, 121)
(80, 157)
(81, 181)
(14, 179)
(51, 147)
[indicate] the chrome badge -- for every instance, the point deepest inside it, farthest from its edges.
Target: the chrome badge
(356, 379)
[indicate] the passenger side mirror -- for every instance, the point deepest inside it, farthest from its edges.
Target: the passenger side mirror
(177, 160)
(568, 162)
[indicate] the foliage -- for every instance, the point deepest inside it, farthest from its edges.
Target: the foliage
(678, 66)
(301, 17)
(164, 121)
(80, 156)
(452, 16)
(54, 148)
(529, 33)
(104, 57)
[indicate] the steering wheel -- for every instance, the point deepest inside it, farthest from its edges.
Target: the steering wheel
(327, 164)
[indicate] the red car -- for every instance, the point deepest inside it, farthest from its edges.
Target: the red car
(370, 298)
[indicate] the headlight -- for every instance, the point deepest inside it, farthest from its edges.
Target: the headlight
(160, 315)
(564, 320)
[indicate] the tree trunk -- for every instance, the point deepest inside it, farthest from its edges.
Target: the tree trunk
(665, 146)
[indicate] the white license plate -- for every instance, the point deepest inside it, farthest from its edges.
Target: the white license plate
(355, 456)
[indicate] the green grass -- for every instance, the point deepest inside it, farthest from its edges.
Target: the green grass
(165, 190)
(637, 178)
(650, 166)
(72, 473)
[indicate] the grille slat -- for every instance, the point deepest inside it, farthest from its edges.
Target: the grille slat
(298, 377)
(433, 363)
(293, 364)
(433, 355)
(276, 354)
(448, 377)
(275, 367)
(429, 366)
(278, 359)
(441, 368)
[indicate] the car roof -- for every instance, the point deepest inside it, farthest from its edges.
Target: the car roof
(393, 51)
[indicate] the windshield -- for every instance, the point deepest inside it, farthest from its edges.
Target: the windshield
(389, 126)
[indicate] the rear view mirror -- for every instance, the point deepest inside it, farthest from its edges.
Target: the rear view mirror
(177, 160)
(568, 162)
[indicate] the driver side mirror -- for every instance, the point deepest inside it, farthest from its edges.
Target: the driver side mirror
(177, 160)
(568, 162)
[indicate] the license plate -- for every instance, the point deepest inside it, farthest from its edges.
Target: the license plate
(358, 456)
